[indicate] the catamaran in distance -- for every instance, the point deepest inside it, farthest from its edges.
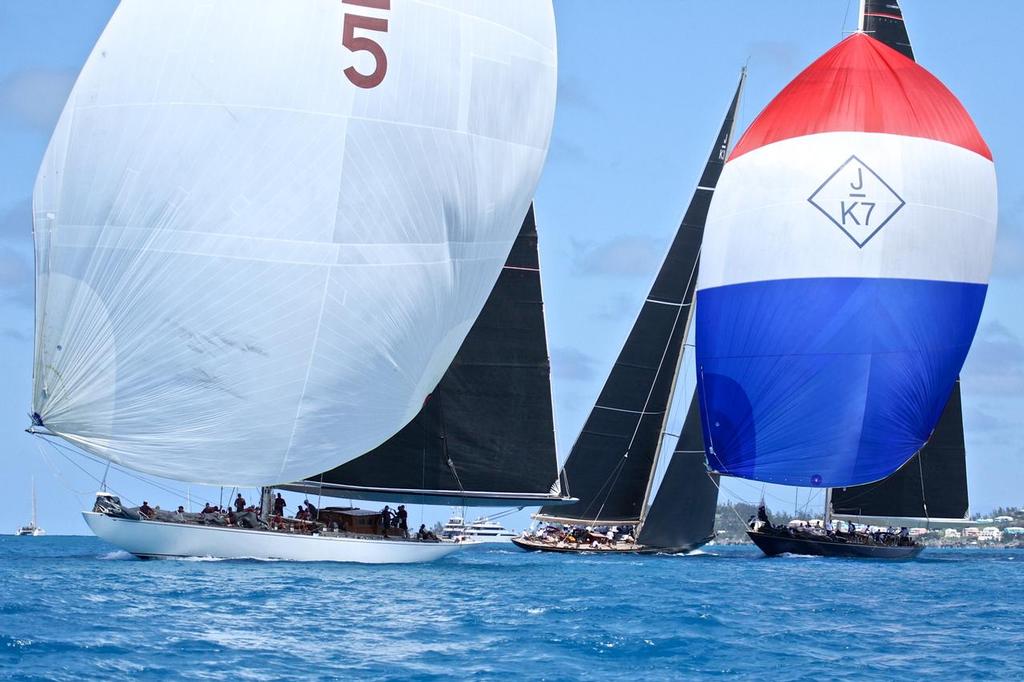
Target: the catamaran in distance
(32, 529)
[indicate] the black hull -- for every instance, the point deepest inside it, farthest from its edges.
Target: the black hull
(531, 546)
(774, 545)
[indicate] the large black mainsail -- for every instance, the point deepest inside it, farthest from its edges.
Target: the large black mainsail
(883, 21)
(485, 436)
(611, 466)
(682, 515)
(932, 485)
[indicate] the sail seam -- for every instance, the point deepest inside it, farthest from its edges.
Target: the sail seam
(619, 409)
(309, 367)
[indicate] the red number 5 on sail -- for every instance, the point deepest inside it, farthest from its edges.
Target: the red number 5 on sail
(364, 44)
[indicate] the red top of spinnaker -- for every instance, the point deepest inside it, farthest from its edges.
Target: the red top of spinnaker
(862, 85)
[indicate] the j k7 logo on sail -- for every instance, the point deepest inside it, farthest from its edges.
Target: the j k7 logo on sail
(857, 200)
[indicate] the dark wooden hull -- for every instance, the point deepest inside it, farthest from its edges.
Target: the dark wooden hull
(774, 545)
(531, 546)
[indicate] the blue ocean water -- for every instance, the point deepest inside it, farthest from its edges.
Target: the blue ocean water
(76, 608)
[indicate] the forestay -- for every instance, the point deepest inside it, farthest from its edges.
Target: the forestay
(263, 228)
(846, 263)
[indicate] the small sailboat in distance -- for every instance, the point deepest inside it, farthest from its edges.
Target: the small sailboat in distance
(32, 528)
(263, 231)
(845, 269)
(612, 466)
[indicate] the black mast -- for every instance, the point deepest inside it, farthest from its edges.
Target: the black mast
(485, 436)
(932, 485)
(612, 463)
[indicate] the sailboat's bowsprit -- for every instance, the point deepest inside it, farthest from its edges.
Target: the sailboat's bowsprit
(486, 434)
(845, 266)
(260, 242)
(612, 462)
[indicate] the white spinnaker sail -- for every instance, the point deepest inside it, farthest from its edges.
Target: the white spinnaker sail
(263, 227)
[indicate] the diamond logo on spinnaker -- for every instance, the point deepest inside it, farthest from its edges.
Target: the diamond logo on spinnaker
(857, 200)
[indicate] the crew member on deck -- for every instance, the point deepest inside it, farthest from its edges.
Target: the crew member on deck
(145, 510)
(311, 510)
(239, 503)
(402, 520)
(279, 505)
(762, 517)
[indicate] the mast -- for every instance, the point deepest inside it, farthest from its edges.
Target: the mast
(33, 501)
(612, 464)
(932, 486)
(718, 154)
(645, 505)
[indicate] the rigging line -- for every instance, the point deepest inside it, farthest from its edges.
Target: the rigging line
(719, 486)
(617, 472)
(130, 474)
(610, 480)
(924, 500)
(87, 472)
(650, 393)
(60, 477)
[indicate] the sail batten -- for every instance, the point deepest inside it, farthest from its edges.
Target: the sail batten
(260, 243)
(612, 463)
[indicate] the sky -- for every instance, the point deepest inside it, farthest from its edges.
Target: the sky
(642, 89)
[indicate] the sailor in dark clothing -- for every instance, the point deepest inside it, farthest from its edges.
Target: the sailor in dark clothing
(145, 510)
(240, 503)
(385, 519)
(279, 505)
(763, 522)
(311, 511)
(402, 520)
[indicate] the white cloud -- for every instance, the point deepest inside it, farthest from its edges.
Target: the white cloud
(16, 222)
(15, 277)
(35, 97)
(572, 364)
(624, 256)
(995, 365)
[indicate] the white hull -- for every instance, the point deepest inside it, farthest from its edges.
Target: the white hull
(34, 532)
(161, 539)
(489, 539)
